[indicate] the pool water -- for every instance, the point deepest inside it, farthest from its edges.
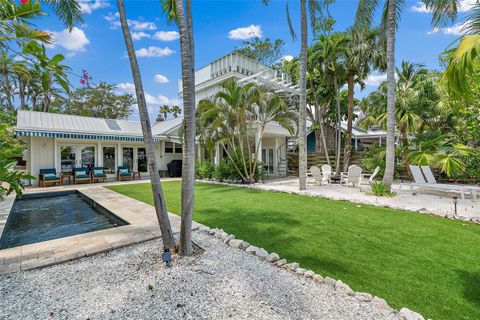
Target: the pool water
(36, 218)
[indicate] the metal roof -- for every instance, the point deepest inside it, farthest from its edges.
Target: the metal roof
(34, 121)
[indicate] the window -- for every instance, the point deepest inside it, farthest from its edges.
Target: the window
(168, 147)
(178, 148)
(109, 159)
(67, 158)
(128, 158)
(88, 156)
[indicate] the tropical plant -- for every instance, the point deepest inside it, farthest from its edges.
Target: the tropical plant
(364, 53)
(176, 111)
(51, 72)
(382, 190)
(238, 112)
(158, 198)
(443, 11)
(165, 110)
(443, 153)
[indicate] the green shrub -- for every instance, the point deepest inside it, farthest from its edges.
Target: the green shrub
(374, 157)
(204, 170)
(381, 189)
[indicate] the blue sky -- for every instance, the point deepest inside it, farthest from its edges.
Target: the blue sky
(219, 26)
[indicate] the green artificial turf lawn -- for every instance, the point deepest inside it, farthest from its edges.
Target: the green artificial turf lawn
(428, 264)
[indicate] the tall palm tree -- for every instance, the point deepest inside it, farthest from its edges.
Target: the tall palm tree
(364, 53)
(331, 54)
(158, 198)
(182, 15)
(443, 11)
(165, 110)
(176, 111)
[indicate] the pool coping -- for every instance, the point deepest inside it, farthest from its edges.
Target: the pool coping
(143, 226)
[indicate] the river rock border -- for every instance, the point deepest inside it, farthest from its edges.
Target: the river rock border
(294, 267)
(425, 211)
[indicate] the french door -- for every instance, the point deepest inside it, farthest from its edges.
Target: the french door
(267, 159)
(135, 158)
(76, 156)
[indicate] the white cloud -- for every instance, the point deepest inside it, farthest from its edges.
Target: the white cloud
(160, 78)
(166, 35)
(286, 58)
(457, 29)
(245, 33)
(125, 87)
(87, 6)
(140, 35)
(375, 79)
(74, 41)
(136, 25)
(154, 52)
(463, 6)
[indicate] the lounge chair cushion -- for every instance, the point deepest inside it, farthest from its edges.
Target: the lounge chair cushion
(81, 175)
(99, 175)
(50, 176)
(125, 174)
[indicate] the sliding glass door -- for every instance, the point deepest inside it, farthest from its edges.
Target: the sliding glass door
(128, 158)
(142, 160)
(109, 159)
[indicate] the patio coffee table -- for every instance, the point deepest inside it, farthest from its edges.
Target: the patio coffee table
(335, 178)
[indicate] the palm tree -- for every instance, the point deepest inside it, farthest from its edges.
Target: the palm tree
(50, 70)
(302, 121)
(14, 19)
(330, 53)
(184, 22)
(158, 198)
(364, 53)
(165, 110)
(442, 11)
(176, 111)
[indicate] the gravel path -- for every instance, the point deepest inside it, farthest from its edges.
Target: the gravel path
(221, 283)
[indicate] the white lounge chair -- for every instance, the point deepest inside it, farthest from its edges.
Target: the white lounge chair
(432, 184)
(370, 176)
(326, 174)
(316, 174)
(352, 176)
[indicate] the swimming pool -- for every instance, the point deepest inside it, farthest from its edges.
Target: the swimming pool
(52, 215)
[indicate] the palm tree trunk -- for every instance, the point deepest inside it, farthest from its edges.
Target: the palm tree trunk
(319, 120)
(21, 93)
(302, 152)
(390, 152)
(347, 150)
(158, 199)
(339, 128)
(188, 83)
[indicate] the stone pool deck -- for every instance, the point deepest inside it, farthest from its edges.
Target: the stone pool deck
(142, 226)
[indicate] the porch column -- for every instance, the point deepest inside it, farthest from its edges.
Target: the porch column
(119, 155)
(380, 141)
(278, 144)
(99, 154)
(258, 145)
(356, 144)
(55, 155)
(199, 153)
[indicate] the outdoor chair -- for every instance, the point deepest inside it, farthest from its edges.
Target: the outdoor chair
(98, 174)
(48, 176)
(316, 174)
(326, 174)
(419, 175)
(351, 177)
(124, 173)
(81, 174)
(370, 176)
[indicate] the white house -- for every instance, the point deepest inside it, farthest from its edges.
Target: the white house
(273, 146)
(63, 141)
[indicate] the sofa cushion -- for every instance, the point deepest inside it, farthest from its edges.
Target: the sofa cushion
(81, 175)
(49, 177)
(99, 175)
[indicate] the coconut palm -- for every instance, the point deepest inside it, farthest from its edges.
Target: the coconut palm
(176, 111)
(15, 24)
(182, 15)
(364, 53)
(165, 110)
(158, 198)
(443, 11)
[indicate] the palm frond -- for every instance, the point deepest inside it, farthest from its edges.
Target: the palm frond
(443, 11)
(68, 11)
(289, 21)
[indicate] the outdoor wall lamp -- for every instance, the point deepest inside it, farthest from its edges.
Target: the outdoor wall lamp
(455, 201)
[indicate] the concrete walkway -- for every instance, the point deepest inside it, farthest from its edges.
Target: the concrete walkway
(418, 200)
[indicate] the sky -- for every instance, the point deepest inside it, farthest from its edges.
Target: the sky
(219, 27)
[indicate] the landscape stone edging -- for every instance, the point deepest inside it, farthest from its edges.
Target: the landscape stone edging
(294, 267)
(424, 211)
